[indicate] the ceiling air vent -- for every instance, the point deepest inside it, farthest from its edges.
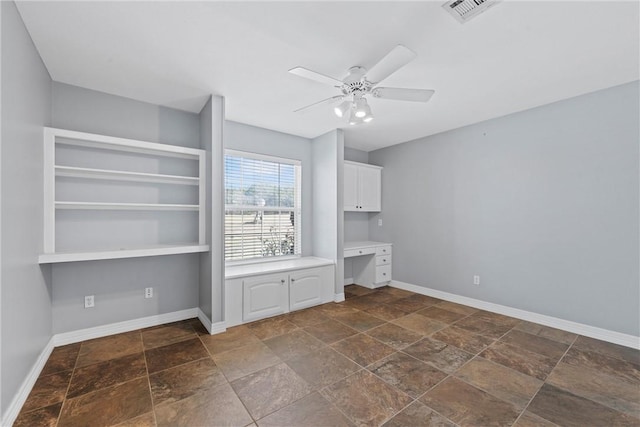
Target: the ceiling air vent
(464, 10)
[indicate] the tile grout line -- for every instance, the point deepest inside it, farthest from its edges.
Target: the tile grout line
(227, 379)
(73, 371)
(146, 367)
(545, 382)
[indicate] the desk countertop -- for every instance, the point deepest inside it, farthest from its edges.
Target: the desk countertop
(363, 244)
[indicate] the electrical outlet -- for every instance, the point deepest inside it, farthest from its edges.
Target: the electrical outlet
(380, 222)
(148, 292)
(476, 280)
(89, 301)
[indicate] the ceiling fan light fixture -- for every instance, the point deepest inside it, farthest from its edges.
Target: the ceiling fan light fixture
(342, 109)
(354, 119)
(362, 108)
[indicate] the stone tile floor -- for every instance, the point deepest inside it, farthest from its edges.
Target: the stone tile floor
(384, 357)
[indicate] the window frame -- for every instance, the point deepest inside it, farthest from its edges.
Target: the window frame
(297, 208)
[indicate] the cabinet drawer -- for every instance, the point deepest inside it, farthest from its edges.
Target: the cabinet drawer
(383, 259)
(357, 252)
(383, 273)
(383, 250)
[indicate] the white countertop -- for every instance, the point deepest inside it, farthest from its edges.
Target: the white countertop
(235, 271)
(363, 244)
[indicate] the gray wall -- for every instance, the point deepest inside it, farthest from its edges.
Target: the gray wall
(239, 136)
(118, 285)
(86, 110)
(356, 155)
(542, 204)
(26, 107)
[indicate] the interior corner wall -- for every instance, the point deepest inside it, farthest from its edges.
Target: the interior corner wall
(118, 285)
(328, 226)
(355, 155)
(243, 137)
(542, 204)
(26, 108)
(211, 292)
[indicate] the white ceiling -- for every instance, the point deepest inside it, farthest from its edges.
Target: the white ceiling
(515, 56)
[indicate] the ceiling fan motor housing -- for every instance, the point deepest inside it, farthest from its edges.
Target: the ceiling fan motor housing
(355, 83)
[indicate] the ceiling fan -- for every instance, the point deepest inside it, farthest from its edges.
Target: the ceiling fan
(361, 82)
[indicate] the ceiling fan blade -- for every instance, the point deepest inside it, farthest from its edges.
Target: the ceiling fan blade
(312, 75)
(400, 94)
(392, 62)
(324, 101)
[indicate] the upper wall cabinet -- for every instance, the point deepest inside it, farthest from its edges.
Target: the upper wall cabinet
(362, 187)
(109, 197)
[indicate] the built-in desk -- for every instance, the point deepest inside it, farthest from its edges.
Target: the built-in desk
(371, 262)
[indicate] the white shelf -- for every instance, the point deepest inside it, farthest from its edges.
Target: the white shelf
(125, 206)
(121, 253)
(92, 140)
(88, 173)
(89, 166)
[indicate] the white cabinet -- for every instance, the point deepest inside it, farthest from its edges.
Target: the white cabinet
(265, 296)
(371, 262)
(257, 291)
(308, 288)
(362, 187)
(108, 197)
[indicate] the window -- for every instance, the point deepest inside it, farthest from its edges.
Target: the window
(262, 206)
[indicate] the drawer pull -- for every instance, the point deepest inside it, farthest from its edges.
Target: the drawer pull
(293, 280)
(384, 260)
(282, 281)
(384, 274)
(359, 251)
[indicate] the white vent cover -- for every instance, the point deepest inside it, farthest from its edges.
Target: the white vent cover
(464, 10)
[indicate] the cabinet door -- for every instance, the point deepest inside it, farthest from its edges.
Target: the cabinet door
(308, 287)
(350, 187)
(370, 186)
(264, 296)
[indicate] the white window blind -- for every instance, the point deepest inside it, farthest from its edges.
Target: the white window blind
(262, 206)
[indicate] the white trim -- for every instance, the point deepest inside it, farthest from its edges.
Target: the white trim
(338, 297)
(264, 157)
(10, 415)
(120, 327)
(554, 322)
(349, 281)
(218, 328)
(212, 328)
(204, 319)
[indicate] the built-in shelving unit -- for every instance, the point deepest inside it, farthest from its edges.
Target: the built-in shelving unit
(109, 198)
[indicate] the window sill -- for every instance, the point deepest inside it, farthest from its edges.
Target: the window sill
(255, 269)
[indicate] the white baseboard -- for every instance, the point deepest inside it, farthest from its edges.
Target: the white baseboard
(554, 322)
(120, 327)
(10, 415)
(348, 281)
(213, 328)
(338, 297)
